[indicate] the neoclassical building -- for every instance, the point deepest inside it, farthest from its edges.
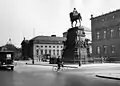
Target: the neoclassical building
(46, 45)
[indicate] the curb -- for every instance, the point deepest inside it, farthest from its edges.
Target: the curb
(102, 76)
(70, 66)
(39, 64)
(50, 65)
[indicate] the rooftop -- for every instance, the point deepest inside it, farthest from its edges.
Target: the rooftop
(48, 39)
(105, 14)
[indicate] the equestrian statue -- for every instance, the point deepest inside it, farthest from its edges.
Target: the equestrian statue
(74, 16)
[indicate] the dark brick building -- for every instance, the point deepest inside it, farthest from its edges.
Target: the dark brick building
(106, 36)
(27, 49)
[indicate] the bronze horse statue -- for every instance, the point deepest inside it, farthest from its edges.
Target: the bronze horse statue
(75, 18)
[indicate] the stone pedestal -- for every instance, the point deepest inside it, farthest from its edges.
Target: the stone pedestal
(70, 53)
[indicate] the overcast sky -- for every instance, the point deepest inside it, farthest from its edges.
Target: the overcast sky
(47, 17)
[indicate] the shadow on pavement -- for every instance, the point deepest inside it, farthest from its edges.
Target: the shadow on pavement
(108, 77)
(4, 69)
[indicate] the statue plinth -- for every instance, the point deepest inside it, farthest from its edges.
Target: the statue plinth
(69, 55)
(72, 51)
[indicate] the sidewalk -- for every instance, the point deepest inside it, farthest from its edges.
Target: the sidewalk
(115, 76)
(109, 74)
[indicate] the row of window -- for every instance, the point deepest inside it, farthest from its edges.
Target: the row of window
(55, 52)
(105, 33)
(105, 18)
(105, 49)
(50, 46)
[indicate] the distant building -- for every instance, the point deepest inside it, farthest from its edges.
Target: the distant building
(65, 34)
(45, 45)
(25, 49)
(106, 36)
(11, 47)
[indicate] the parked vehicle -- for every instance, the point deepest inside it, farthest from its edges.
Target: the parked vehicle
(46, 58)
(6, 59)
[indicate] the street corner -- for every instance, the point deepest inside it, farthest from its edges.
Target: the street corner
(109, 76)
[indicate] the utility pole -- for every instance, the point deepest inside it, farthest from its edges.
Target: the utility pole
(33, 45)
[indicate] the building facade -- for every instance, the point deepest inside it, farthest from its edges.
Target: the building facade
(47, 45)
(106, 36)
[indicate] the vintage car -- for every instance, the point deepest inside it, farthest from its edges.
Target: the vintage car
(6, 59)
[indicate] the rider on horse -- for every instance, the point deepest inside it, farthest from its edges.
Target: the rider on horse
(75, 12)
(74, 16)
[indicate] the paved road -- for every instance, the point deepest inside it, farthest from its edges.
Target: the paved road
(37, 75)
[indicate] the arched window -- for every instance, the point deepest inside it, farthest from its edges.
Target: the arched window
(98, 50)
(53, 52)
(111, 33)
(105, 49)
(57, 52)
(113, 48)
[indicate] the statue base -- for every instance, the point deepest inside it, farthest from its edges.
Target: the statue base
(72, 52)
(69, 52)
